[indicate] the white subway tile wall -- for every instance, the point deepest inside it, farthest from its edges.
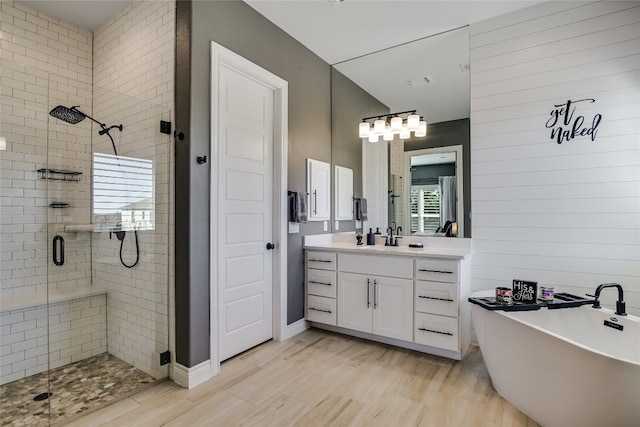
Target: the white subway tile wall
(45, 62)
(564, 215)
(133, 55)
(77, 330)
(397, 179)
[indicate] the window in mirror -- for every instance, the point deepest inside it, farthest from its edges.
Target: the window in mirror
(425, 209)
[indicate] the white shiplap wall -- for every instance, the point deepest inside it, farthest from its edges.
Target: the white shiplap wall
(564, 215)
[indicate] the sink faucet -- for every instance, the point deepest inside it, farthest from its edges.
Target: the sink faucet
(388, 241)
(620, 305)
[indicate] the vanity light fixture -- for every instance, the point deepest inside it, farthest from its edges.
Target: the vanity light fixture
(389, 125)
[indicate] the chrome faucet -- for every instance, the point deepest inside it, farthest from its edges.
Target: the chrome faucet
(620, 304)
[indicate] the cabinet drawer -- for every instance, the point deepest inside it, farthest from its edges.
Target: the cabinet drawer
(436, 331)
(321, 283)
(437, 270)
(437, 298)
(321, 260)
(321, 309)
(387, 266)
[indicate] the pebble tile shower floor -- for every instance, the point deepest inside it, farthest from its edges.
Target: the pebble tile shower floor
(77, 388)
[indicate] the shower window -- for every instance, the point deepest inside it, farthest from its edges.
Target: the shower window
(123, 193)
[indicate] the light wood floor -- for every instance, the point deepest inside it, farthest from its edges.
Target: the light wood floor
(319, 378)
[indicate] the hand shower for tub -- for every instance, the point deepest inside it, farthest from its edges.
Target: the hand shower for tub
(74, 116)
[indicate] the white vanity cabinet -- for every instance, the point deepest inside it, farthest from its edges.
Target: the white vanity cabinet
(404, 299)
(320, 281)
(376, 304)
(375, 294)
(437, 303)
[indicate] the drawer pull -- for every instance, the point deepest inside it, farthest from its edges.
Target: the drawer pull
(437, 299)
(322, 311)
(435, 332)
(319, 260)
(320, 283)
(436, 271)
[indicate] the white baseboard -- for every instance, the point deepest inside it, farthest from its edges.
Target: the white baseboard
(191, 377)
(294, 329)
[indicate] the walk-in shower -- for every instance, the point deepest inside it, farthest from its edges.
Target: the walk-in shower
(87, 327)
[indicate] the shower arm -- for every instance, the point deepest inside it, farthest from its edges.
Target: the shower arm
(105, 130)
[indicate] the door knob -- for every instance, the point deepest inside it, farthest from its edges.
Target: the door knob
(270, 246)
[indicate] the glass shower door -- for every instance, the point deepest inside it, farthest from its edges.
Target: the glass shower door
(108, 173)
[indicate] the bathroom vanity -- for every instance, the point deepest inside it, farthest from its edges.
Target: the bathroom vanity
(408, 297)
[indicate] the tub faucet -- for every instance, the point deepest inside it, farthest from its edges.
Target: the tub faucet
(620, 305)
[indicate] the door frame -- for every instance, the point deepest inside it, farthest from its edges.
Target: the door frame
(223, 57)
(406, 192)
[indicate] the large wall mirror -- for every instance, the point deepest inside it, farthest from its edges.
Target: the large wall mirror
(427, 179)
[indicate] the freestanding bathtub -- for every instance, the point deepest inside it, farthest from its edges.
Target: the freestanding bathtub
(563, 367)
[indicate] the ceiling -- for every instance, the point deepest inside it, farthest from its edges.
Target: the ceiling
(350, 29)
(87, 14)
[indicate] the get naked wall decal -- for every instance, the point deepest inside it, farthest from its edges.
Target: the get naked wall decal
(564, 127)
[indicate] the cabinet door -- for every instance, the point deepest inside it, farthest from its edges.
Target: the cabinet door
(393, 308)
(318, 187)
(343, 193)
(355, 301)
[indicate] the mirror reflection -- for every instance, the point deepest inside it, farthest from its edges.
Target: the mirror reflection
(430, 76)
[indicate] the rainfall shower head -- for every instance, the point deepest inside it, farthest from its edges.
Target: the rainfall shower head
(69, 115)
(73, 116)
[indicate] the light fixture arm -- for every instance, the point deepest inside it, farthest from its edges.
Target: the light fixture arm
(387, 116)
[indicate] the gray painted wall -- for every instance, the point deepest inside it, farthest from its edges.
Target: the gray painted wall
(241, 29)
(445, 134)
(429, 174)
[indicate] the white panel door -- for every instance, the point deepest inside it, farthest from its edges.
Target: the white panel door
(355, 301)
(244, 213)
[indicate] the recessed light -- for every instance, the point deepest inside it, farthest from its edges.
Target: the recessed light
(335, 2)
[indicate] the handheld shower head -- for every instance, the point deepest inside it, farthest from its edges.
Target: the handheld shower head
(69, 115)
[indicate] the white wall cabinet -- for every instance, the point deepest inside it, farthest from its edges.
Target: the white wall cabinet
(343, 194)
(319, 190)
